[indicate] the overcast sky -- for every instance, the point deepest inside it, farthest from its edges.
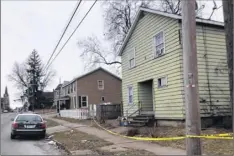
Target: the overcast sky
(38, 25)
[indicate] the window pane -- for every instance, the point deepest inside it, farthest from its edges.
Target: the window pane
(84, 104)
(84, 98)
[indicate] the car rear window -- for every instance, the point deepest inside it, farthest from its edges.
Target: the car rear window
(29, 118)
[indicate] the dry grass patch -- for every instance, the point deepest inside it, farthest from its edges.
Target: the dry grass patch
(210, 146)
(129, 152)
(76, 140)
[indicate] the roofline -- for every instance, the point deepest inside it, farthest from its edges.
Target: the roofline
(100, 68)
(174, 16)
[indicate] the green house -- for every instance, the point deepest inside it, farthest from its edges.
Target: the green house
(152, 68)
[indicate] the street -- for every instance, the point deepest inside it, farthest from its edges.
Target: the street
(24, 146)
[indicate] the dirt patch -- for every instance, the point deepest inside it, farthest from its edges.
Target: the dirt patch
(78, 143)
(76, 140)
(210, 146)
(51, 123)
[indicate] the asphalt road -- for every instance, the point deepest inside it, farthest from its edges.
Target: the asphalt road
(23, 146)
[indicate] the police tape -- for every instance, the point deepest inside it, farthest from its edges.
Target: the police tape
(225, 136)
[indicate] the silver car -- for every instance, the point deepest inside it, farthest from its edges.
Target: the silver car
(28, 124)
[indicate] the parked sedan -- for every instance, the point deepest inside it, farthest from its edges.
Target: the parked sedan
(28, 124)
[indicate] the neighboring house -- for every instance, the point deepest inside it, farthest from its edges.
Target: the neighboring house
(152, 68)
(5, 101)
(95, 87)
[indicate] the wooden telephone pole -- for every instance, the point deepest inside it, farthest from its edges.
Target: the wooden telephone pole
(193, 121)
(228, 27)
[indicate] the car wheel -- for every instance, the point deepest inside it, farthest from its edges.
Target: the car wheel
(12, 136)
(43, 136)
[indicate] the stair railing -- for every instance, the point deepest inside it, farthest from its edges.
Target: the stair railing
(138, 110)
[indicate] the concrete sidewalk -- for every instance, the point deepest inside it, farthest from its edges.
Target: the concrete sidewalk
(122, 142)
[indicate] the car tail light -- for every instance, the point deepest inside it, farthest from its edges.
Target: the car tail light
(43, 125)
(15, 125)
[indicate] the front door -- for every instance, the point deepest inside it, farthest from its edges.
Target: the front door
(146, 96)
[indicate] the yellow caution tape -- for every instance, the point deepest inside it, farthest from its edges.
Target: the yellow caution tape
(225, 136)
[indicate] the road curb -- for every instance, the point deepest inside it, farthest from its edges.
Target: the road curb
(60, 145)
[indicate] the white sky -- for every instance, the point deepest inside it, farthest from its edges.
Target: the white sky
(38, 25)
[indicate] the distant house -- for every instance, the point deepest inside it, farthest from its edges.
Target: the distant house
(152, 68)
(95, 87)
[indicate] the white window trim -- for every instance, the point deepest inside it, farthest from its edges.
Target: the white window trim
(166, 81)
(154, 44)
(86, 100)
(102, 85)
(132, 94)
(134, 53)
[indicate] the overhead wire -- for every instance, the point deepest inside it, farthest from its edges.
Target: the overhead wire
(63, 32)
(72, 34)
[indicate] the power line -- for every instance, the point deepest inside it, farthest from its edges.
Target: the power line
(72, 33)
(63, 32)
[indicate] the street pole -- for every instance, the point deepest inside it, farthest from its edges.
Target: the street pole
(193, 121)
(228, 27)
(59, 93)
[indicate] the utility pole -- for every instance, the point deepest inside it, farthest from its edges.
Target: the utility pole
(193, 121)
(228, 27)
(59, 93)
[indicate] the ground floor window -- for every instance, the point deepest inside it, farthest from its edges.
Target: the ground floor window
(84, 101)
(162, 82)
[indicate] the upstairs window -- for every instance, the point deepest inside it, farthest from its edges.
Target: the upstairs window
(159, 44)
(74, 86)
(71, 86)
(162, 82)
(131, 58)
(100, 84)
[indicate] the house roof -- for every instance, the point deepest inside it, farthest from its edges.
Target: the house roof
(156, 12)
(59, 85)
(100, 68)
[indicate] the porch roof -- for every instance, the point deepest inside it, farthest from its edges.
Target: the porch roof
(64, 98)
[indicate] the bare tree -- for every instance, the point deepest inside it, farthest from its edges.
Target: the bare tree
(21, 74)
(171, 6)
(118, 18)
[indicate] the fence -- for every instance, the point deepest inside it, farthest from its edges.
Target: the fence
(75, 113)
(109, 111)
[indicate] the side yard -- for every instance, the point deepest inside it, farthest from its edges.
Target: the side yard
(210, 146)
(80, 143)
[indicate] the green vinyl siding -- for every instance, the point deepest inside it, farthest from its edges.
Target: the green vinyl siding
(148, 68)
(169, 102)
(212, 72)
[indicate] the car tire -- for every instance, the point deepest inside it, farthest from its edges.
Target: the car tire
(43, 136)
(12, 136)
